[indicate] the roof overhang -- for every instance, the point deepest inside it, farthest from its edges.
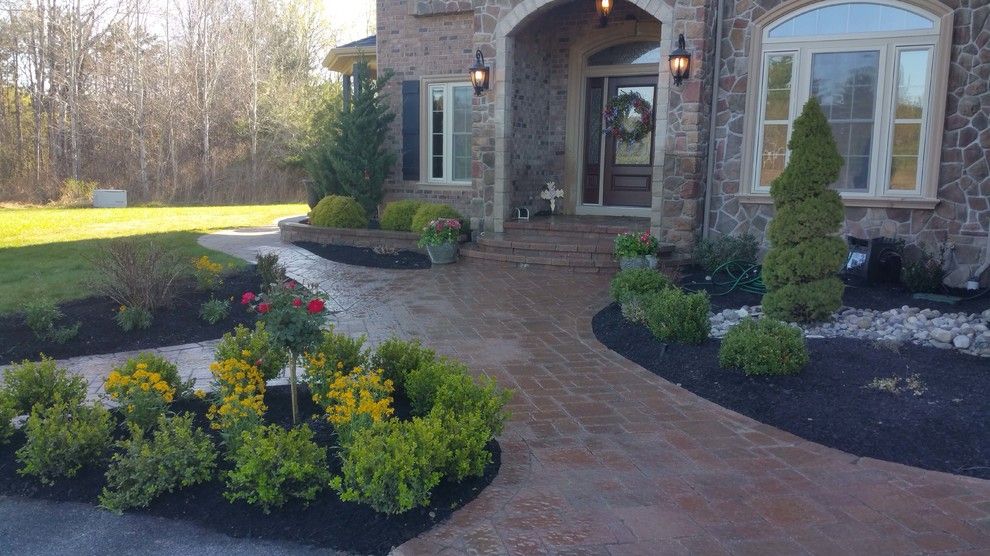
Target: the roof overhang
(343, 58)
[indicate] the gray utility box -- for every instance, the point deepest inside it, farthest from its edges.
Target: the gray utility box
(109, 198)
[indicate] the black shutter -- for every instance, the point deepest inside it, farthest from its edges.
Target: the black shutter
(410, 130)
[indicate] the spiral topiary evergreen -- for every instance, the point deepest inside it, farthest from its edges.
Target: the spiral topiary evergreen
(806, 254)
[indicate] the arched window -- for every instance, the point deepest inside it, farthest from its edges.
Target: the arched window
(870, 64)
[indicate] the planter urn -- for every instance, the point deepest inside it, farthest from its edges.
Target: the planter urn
(444, 253)
(629, 263)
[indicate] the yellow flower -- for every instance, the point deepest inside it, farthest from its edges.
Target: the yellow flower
(200, 394)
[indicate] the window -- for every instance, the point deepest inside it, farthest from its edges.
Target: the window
(870, 65)
(449, 134)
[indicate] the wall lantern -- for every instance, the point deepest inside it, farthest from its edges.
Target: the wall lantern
(604, 9)
(680, 61)
(480, 74)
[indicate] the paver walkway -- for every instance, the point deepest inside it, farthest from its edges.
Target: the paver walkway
(603, 457)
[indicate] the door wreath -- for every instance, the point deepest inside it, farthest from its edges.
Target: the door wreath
(625, 127)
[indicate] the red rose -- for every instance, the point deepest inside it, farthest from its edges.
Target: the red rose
(263, 308)
(297, 302)
(315, 306)
(248, 297)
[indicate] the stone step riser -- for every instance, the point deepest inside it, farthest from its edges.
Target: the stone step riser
(562, 246)
(587, 266)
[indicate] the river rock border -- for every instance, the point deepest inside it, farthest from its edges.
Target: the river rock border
(965, 332)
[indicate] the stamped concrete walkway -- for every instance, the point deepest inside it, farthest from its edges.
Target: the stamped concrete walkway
(603, 457)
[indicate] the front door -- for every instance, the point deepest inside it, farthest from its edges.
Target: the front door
(617, 173)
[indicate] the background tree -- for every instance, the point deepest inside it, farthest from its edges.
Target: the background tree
(806, 254)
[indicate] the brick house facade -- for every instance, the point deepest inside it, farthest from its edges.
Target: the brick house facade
(919, 168)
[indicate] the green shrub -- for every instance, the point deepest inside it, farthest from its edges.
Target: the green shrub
(630, 284)
(336, 353)
(254, 346)
(62, 438)
(40, 382)
(806, 254)
(177, 456)
(764, 347)
(672, 315)
(270, 270)
(214, 310)
(138, 274)
(472, 414)
(336, 211)
(428, 212)
(393, 466)
(397, 358)
(399, 215)
(6, 414)
(130, 319)
(423, 382)
(927, 273)
(272, 465)
(41, 316)
(713, 253)
(634, 311)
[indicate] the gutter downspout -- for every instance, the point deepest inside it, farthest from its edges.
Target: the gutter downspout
(710, 171)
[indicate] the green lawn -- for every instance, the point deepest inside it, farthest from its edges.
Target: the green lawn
(43, 250)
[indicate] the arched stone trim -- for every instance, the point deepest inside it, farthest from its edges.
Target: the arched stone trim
(502, 40)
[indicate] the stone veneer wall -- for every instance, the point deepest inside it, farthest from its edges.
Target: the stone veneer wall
(419, 38)
(962, 216)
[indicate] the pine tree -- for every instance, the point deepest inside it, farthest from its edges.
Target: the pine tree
(806, 254)
(359, 158)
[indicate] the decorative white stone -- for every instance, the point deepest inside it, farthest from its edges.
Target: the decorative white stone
(961, 342)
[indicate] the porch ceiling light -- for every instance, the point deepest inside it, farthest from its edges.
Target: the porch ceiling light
(680, 61)
(604, 9)
(480, 74)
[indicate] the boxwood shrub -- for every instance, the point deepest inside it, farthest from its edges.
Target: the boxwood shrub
(764, 347)
(637, 282)
(429, 212)
(62, 438)
(397, 358)
(672, 315)
(337, 211)
(398, 215)
(40, 382)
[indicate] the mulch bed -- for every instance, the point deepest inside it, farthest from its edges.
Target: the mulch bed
(366, 256)
(880, 297)
(326, 522)
(943, 429)
(177, 324)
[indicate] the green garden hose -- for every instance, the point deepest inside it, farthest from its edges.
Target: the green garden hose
(739, 276)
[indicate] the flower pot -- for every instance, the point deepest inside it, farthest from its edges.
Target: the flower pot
(444, 253)
(627, 263)
(652, 261)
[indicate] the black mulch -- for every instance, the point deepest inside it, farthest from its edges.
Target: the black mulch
(177, 324)
(944, 429)
(366, 256)
(879, 297)
(326, 522)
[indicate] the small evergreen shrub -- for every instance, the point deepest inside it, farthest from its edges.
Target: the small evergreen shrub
(423, 383)
(399, 215)
(336, 353)
(336, 211)
(397, 358)
(428, 212)
(272, 465)
(927, 273)
(712, 253)
(256, 347)
(178, 455)
(806, 254)
(41, 316)
(7, 413)
(393, 466)
(672, 315)
(130, 319)
(634, 311)
(33, 383)
(62, 438)
(270, 270)
(472, 414)
(764, 347)
(214, 310)
(637, 282)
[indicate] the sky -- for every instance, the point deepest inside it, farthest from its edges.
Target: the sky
(352, 19)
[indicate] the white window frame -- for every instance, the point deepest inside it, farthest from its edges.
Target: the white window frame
(447, 88)
(889, 44)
